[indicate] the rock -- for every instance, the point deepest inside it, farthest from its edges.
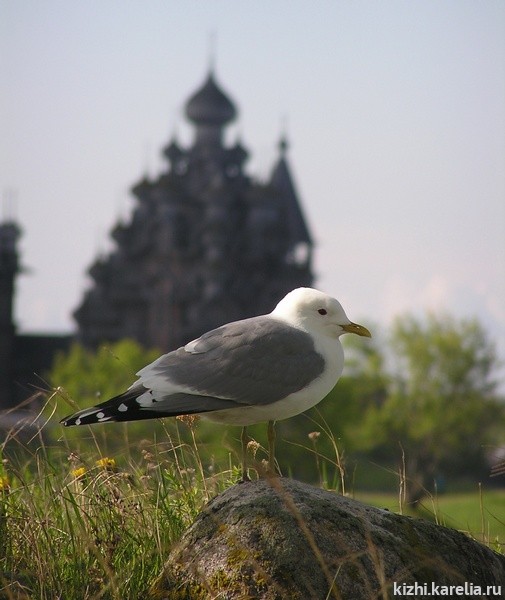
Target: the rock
(282, 539)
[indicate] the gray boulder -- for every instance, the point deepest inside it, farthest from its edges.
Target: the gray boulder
(282, 539)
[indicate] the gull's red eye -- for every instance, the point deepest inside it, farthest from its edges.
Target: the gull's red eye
(322, 311)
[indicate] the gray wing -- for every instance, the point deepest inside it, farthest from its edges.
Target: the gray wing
(254, 361)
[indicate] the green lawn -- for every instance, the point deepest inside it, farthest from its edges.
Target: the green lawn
(481, 514)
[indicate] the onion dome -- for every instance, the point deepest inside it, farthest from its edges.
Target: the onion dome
(283, 145)
(238, 154)
(142, 189)
(210, 106)
(173, 151)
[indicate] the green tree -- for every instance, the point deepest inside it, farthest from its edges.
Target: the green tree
(91, 376)
(84, 377)
(441, 408)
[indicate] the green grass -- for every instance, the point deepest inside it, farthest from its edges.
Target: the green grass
(90, 526)
(100, 524)
(479, 513)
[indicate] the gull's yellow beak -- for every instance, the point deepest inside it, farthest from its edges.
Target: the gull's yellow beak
(357, 329)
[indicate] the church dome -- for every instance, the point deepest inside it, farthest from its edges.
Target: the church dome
(209, 105)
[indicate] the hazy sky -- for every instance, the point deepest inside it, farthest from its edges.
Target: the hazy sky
(395, 112)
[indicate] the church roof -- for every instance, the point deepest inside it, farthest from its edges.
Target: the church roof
(210, 105)
(282, 180)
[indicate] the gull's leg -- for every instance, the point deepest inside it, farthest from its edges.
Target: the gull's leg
(271, 447)
(245, 440)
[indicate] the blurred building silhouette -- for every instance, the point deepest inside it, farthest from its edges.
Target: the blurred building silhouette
(24, 358)
(205, 244)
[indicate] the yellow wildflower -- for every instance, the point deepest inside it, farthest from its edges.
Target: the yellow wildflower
(109, 464)
(79, 473)
(5, 484)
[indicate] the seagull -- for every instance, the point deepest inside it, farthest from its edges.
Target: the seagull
(265, 368)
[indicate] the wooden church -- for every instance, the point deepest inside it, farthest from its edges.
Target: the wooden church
(206, 244)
